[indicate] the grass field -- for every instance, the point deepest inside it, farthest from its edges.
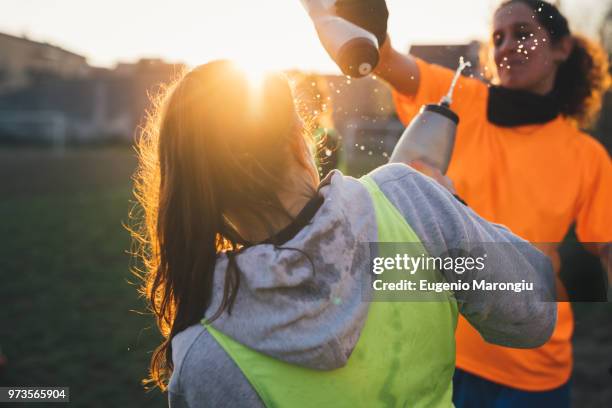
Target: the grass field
(67, 314)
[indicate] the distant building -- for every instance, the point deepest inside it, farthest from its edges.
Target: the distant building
(21, 59)
(604, 126)
(51, 95)
(364, 117)
(448, 55)
(605, 32)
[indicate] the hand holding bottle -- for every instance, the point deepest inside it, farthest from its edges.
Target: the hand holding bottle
(434, 173)
(371, 15)
(353, 48)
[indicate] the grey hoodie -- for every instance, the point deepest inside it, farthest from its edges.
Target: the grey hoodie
(285, 306)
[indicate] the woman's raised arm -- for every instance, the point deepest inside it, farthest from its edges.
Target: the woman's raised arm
(399, 70)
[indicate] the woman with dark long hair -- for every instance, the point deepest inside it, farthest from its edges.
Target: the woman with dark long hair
(520, 160)
(259, 274)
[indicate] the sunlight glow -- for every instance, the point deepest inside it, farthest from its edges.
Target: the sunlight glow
(255, 73)
(260, 35)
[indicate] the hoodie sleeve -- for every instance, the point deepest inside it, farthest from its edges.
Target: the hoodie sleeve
(449, 228)
(204, 374)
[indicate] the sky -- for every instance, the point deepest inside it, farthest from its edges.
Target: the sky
(266, 34)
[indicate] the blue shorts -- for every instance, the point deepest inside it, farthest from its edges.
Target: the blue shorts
(471, 391)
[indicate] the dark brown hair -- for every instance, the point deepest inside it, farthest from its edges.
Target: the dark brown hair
(212, 144)
(584, 77)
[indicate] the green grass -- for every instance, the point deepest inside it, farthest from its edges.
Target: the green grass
(67, 316)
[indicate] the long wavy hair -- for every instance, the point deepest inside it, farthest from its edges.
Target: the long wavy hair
(213, 143)
(583, 79)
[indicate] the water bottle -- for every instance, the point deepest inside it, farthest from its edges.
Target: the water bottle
(430, 137)
(354, 49)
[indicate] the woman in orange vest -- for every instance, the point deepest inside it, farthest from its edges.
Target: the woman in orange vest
(519, 160)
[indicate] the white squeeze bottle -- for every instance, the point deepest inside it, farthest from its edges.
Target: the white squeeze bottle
(354, 49)
(430, 137)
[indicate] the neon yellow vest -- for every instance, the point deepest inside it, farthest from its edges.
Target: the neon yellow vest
(405, 356)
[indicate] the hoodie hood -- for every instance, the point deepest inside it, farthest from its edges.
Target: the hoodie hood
(302, 301)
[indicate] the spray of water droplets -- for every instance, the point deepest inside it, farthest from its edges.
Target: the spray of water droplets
(447, 100)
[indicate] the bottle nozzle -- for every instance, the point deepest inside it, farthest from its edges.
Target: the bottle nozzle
(448, 99)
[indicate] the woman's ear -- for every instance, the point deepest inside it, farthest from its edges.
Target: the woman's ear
(563, 49)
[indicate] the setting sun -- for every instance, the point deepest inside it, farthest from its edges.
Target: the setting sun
(255, 69)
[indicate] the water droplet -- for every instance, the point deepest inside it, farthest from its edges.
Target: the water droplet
(362, 148)
(385, 154)
(328, 152)
(370, 153)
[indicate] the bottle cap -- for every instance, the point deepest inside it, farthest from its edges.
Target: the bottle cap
(442, 110)
(358, 57)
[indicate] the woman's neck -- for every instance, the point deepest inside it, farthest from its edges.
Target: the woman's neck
(544, 87)
(257, 226)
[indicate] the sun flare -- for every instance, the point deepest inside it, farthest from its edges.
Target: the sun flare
(255, 71)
